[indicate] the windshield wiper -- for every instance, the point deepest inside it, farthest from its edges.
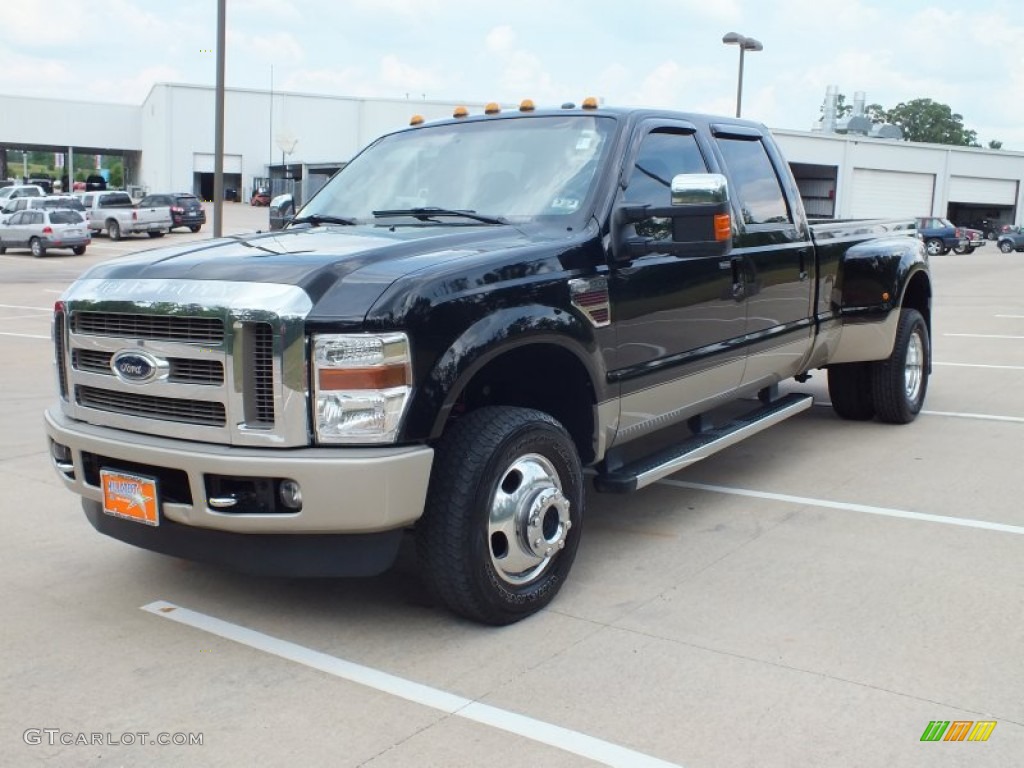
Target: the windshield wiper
(316, 219)
(429, 212)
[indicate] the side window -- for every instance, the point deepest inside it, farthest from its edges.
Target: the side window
(87, 201)
(663, 154)
(16, 218)
(756, 186)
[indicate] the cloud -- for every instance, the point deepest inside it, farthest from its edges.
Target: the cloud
(278, 47)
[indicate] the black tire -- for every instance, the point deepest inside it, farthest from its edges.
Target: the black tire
(196, 227)
(935, 246)
(3, 249)
(78, 250)
(36, 246)
(850, 389)
(1006, 246)
(900, 383)
(155, 234)
(114, 229)
(963, 250)
(499, 472)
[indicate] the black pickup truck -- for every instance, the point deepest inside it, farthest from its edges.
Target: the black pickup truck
(471, 318)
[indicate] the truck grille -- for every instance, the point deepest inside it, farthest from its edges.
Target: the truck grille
(190, 330)
(183, 370)
(160, 408)
(230, 359)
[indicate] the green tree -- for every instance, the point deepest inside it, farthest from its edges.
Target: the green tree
(117, 175)
(930, 121)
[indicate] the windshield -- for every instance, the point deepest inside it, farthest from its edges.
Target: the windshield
(514, 169)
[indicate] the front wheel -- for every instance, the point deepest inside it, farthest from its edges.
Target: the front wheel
(1006, 246)
(114, 229)
(963, 250)
(900, 382)
(37, 247)
(503, 515)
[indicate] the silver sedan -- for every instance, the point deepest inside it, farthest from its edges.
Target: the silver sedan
(40, 230)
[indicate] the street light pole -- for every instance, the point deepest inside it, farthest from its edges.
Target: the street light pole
(745, 44)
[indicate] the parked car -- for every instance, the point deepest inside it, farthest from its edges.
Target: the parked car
(43, 181)
(1011, 241)
(186, 209)
(975, 239)
(41, 229)
(940, 235)
(95, 183)
(21, 190)
(50, 201)
(115, 213)
(260, 197)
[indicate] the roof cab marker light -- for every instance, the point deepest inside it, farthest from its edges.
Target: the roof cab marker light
(526, 105)
(460, 112)
(589, 103)
(492, 108)
(416, 120)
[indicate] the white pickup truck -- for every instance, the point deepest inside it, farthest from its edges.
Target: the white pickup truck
(116, 214)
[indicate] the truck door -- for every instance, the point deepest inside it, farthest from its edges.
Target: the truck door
(773, 247)
(679, 324)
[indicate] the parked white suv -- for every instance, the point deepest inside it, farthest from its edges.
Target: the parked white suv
(21, 190)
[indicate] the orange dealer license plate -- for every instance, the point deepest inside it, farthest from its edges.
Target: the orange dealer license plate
(132, 497)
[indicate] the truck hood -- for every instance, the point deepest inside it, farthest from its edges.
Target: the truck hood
(355, 263)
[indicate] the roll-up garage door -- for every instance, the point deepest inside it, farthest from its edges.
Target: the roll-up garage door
(203, 163)
(971, 189)
(887, 194)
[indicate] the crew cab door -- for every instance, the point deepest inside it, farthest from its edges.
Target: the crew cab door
(679, 320)
(773, 251)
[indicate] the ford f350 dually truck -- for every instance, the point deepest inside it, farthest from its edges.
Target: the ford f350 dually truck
(471, 318)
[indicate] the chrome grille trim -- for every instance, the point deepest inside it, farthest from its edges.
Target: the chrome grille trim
(146, 406)
(182, 371)
(60, 350)
(247, 388)
(191, 330)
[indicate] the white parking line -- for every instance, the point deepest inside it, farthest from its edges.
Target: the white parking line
(964, 522)
(981, 416)
(1011, 317)
(976, 365)
(19, 306)
(25, 335)
(981, 336)
(536, 730)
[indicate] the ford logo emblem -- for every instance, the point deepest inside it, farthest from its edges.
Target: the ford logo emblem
(136, 367)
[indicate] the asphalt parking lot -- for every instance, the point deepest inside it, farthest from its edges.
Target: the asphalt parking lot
(815, 596)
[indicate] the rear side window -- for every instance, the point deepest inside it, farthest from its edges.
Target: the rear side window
(755, 185)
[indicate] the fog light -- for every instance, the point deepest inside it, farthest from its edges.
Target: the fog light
(290, 494)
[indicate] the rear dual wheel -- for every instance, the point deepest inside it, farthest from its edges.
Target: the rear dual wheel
(892, 389)
(503, 515)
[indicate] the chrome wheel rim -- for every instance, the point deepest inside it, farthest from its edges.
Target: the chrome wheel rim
(528, 521)
(934, 247)
(913, 367)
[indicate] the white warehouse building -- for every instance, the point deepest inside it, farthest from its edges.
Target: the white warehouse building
(280, 138)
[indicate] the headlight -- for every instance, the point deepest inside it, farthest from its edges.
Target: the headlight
(362, 385)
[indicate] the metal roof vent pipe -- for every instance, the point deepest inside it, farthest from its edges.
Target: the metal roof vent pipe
(827, 124)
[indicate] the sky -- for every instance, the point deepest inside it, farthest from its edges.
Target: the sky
(660, 53)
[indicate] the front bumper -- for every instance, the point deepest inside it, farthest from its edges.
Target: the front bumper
(344, 490)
